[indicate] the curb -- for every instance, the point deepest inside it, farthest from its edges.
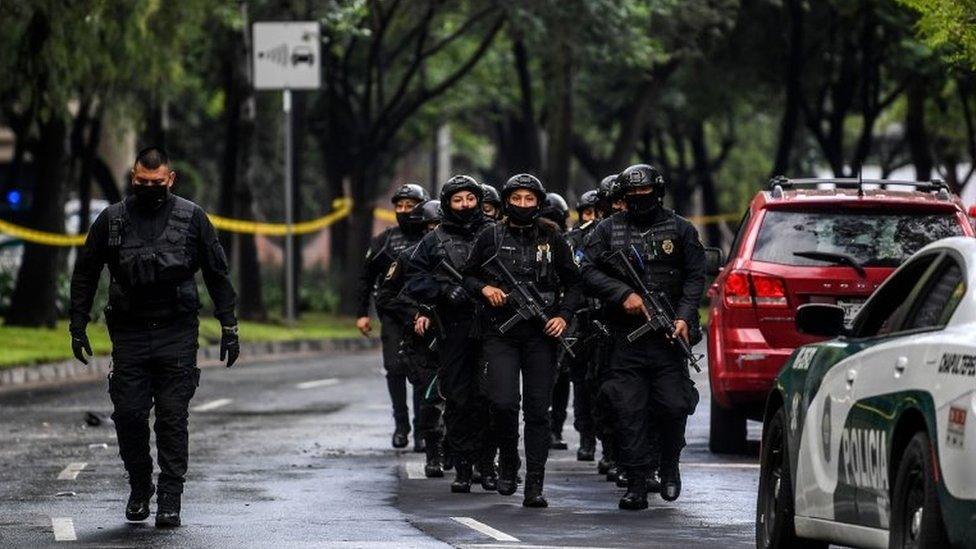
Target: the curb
(56, 373)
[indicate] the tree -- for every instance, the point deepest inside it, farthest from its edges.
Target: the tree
(949, 26)
(50, 54)
(384, 61)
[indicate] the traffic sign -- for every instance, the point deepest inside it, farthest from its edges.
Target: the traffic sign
(286, 55)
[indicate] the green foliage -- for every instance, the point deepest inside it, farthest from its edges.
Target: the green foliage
(52, 52)
(950, 26)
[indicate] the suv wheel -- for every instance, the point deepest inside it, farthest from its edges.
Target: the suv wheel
(774, 506)
(916, 519)
(726, 431)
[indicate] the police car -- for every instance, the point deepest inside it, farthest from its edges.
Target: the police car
(870, 438)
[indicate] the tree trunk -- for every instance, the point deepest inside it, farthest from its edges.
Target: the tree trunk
(251, 303)
(915, 132)
(794, 71)
(360, 230)
(705, 180)
(34, 301)
(559, 124)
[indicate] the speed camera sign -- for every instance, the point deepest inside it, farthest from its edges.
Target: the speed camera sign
(286, 55)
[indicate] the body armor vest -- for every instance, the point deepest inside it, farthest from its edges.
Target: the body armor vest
(655, 251)
(395, 243)
(155, 276)
(455, 247)
(529, 260)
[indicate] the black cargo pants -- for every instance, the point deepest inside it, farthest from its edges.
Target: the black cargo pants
(526, 352)
(652, 395)
(391, 330)
(154, 365)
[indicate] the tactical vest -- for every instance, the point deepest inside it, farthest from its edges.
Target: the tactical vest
(395, 243)
(455, 247)
(657, 247)
(155, 277)
(528, 260)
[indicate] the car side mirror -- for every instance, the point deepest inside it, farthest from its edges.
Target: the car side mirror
(820, 319)
(713, 261)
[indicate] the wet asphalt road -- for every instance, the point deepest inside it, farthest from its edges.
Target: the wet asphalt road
(296, 452)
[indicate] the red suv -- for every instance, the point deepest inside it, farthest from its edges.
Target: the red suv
(807, 241)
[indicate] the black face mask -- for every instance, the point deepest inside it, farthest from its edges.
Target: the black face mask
(642, 204)
(150, 197)
(522, 215)
(403, 221)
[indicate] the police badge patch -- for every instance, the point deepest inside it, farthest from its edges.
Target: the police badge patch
(667, 246)
(391, 272)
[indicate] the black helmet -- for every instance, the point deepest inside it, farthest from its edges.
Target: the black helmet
(556, 209)
(461, 183)
(524, 181)
(430, 211)
(641, 175)
(491, 195)
(606, 187)
(589, 199)
(410, 191)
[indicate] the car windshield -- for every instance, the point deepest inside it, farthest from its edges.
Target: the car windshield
(872, 239)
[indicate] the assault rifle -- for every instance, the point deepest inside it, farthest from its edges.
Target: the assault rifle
(527, 302)
(659, 309)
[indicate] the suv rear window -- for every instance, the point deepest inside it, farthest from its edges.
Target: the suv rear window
(873, 239)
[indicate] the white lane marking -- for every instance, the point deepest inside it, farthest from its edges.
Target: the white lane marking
(721, 465)
(485, 529)
(520, 546)
(64, 529)
(318, 383)
(71, 471)
(212, 405)
(415, 470)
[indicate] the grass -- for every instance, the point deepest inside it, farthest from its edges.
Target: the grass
(26, 346)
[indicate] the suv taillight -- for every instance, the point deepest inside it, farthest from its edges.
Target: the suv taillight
(770, 291)
(736, 290)
(744, 289)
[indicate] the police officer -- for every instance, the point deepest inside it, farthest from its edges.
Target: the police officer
(417, 355)
(153, 243)
(589, 334)
(603, 191)
(556, 209)
(492, 203)
(431, 282)
(383, 249)
(533, 251)
(648, 380)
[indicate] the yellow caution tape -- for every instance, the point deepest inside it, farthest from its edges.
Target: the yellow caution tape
(41, 237)
(340, 209)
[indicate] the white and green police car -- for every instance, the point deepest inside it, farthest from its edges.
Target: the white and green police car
(870, 437)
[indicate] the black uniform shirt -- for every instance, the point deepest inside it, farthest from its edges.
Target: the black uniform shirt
(203, 249)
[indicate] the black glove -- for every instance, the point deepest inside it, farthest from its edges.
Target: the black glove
(230, 345)
(80, 345)
(457, 295)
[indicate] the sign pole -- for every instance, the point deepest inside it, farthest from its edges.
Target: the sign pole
(289, 239)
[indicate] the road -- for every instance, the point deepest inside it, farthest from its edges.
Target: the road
(295, 452)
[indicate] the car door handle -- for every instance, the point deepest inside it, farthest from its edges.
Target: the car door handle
(900, 364)
(851, 374)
